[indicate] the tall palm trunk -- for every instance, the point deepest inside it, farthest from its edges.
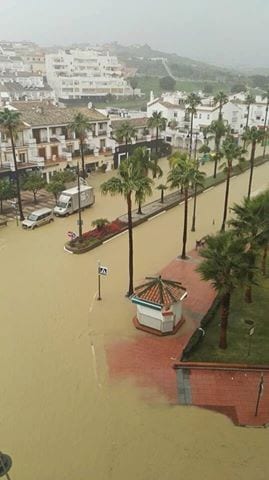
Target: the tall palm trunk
(246, 126)
(264, 259)
(265, 128)
(226, 198)
(1, 206)
(16, 175)
(139, 210)
(225, 310)
(82, 158)
(217, 146)
(131, 248)
(191, 132)
(185, 227)
(162, 193)
(220, 111)
(156, 153)
(126, 148)
(157, 138)
(252, 157)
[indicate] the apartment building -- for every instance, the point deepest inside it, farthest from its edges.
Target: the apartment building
(76, 74)
(46, 142)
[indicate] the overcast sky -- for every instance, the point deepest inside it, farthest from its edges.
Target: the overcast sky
(230, 32)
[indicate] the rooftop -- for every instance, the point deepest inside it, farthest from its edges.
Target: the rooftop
(133, 122)
(160, 291)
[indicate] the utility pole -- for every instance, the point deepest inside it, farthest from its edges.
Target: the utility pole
(79, 207)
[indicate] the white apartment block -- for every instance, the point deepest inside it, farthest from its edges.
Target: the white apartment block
(75, 74)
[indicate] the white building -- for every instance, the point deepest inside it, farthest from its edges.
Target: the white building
(75, 74)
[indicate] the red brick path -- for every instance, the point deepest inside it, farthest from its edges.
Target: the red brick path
(147, 360)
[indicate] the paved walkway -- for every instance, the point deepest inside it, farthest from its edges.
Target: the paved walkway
(148, 361)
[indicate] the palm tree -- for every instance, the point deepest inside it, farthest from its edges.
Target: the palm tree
(219, 130)
(80, 126)
(162, 187)
(226, 266)
(192, 102)
(231, 151)
(10, 123)
(143, 164)
(220, 99)
(127, 182)
(266, 95)
(252, 136)
(125, 133)
(249, 100)
(183, 174)
(195, 193)
(248, 225)
(157, 121)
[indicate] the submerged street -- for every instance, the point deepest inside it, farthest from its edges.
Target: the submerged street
(61, 415)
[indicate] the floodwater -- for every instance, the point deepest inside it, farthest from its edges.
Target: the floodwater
(60, 417)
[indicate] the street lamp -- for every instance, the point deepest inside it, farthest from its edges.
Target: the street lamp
(79, 206)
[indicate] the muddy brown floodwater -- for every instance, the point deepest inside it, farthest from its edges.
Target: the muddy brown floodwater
(60, 416)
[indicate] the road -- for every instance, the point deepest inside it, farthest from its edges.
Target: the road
(60, 414)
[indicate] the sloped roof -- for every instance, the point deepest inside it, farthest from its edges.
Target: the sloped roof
(160, 291)
(169, 105)
(133, 122)
(37, 114)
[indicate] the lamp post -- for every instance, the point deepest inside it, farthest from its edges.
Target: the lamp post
(195, 186)
(79, 207)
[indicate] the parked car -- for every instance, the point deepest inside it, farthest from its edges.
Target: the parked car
(38, 218)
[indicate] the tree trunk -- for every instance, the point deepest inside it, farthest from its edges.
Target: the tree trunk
(217, 144)
(157, 138)
(246, 126)
(131, 254)
(265, 127)
(82, 158)
(126, 148)
(252, 157)
(194, 208)
(220, 111)
(185, 227)
(16, 175)
(190, 149)
(248, 291)
(79, 209)
(1, 205)
(162, 192)
(264, 259)
(34, 197)
(226, 199)
(139, 211)
(225, 310)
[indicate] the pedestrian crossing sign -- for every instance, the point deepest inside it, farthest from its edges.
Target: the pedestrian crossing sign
(102, 270)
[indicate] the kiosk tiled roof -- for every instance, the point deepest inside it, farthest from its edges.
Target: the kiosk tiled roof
(160, 291)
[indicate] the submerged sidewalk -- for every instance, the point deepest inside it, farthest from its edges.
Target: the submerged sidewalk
(148, 360)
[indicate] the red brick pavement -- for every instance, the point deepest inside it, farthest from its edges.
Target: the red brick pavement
(148, 360)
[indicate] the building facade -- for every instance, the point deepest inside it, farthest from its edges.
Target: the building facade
(76, 74)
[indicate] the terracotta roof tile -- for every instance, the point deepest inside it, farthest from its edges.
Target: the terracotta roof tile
(160, 291)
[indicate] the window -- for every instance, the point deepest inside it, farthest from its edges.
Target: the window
(208, 116)
(175, 115)
(200, 115)
(22, 157)
(258, 117)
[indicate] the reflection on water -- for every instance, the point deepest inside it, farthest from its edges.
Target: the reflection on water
(59, 414)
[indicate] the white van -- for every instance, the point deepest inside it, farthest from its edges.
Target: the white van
(37, 218)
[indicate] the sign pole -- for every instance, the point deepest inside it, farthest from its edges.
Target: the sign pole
(259, 395)
(99, 281)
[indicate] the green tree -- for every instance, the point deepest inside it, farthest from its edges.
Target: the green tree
(208, 88)
(220, 99)
(134, 83)
(184, 174)
(10, 123)
(167, 83)
(55, 187)
(157, 121)
(143, 164)
(100, 223)
(125, 133)
(248, 225)
(225, 264)
(34, 182)
(231, 151)
(249, 100)
(64, 176)
(238, 88)
(219, 130)
(192, 102)
(80, 126)
(6, 192)
(252, 136)
(162, 187)
(127, 182)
